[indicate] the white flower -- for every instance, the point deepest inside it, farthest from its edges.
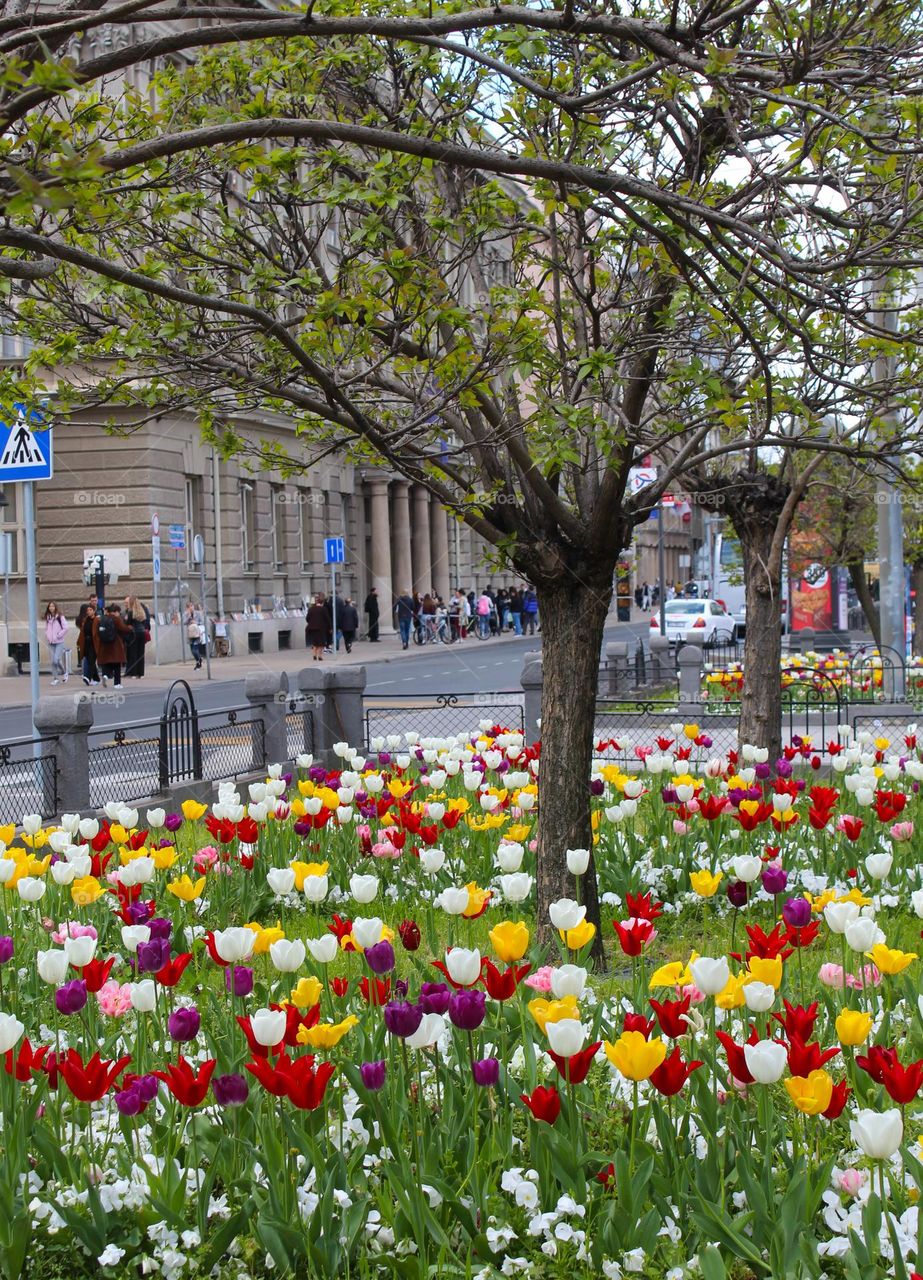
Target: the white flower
(323, 949)
(143, 995)
(759, 996)
(138, 871)
(509, 857)
(367, 931)
(431, 1027)
(566, 914)
(453, 901)
(566, 1037)
(133, 935)
(288, 956)
(31, 824)
(878, 865)
(710, 976)
(79, 951)
(916, 899)
(155, 818)
(281, 880)
(61, 872)
(516, 888)
(110, 1256)
(765, 1060)
(463, 965)
(234, 945)
(316, 888)
(878, 1133)
(862, 934)
(31, 889)
(268, 1027)
(10, 1031)
(88, 828)
(839, 914)
(746, 868)
(568, 980)
(578, 860)
(363, 888)
(52, 966)
(431, 860)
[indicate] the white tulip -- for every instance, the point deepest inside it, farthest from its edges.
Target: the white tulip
(566, 913)
(509, 857)
(59, 841)
(568, 980)
(430, 1030)
(363, 888)
(52, 966)
(288, 956)
(435, 811)
(323, 949)
(316, 888)
(61, 872)
(70, 822)
(313, 805)
(11, 1030)
(267, 1026)
(516, 888)
(526, 801)
(578, 860)
(88, 828)
(862, 934)
(344, 814)
(566, 1037)
(31, 824)
(138, 871)
(133, 935)
(79, 951)
(633, 788)
(759, 996)
(281, 880)
(765, 1060)
(7, 870)
(31, 889)
(916, 898)
(878, 865)
(234, 945)
(878, 1134)
(839, 914)
(747, 868)
(373, 784)
(463, 966)
(431, 860)
(155, 818)
(367, 931)
(710, 976)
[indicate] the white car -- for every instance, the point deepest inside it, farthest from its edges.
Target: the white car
(703, 622)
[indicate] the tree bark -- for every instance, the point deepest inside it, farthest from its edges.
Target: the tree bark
(916, 581)
(761, 707)
(573, 615)
(869, 608)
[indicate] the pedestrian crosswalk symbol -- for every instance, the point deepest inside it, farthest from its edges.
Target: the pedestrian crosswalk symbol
(25, 447)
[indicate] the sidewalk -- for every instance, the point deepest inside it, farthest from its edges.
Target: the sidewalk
(14, 690)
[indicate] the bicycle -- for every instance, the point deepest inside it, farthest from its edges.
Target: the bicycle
(486, 622)
(437, 631)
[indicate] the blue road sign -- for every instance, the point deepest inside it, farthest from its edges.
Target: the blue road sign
(334, 551)
(25, 447)
(178, 537)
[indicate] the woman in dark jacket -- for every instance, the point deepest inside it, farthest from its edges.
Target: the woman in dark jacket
(317, 628)
(348, 624)
(110, 652)
(86, 648)
(139, 619)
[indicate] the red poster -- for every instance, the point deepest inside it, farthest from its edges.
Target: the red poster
(812, 599)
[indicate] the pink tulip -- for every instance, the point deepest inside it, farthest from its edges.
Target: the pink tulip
(385, 849)
(113, 999)
(901, 832)
(868, 977)
(831, 975)
(850, 1181)
(72, 929)
(205, 858)
(693, 992)
(540, 980)
(680, 828)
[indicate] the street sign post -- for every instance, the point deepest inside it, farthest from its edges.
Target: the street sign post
(26, 456)
(334, 554)
(178, 544)
(155, 577)
(198, 555)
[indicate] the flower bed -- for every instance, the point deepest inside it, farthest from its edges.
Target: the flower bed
(309, 1032)
(820, 677)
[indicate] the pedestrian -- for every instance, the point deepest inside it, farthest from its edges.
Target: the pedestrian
(138, 618)
(86, 649)
(349, 623)
(110, 632)
(195, 633)
(427, 616)
(515, 607)
(56, 628)
(502, 603)
(484, 610)
(317, 628)
(404, 612)
(340, 605)
(529, 611)
(372, 611)
(645, 595)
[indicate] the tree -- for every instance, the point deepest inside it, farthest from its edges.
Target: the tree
(717, 180)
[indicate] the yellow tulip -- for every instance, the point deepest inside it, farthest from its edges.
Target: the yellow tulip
(164, 858)
(459, 805)
(118, 834)
(853, 1027)
(38, 841)
(307, 993)
(821, 901)
(306, 786)
(856, 896)
(326, 1034)
(518, 832)
(890, 961)
(811, 1094)
(691, 731)
(298, 808)
(732, 997)
(510, 941)
(748, 806)
(185, 889)
(265, 937)
(7, 833)
(762, 969)
(398, 789)
(477, 900)
(705, 882)
(544, 1011)
(192, 810)
(86, 890)
(674, 974)
(579, 936)
(330, 798)
(304, 869)
(634, 1057)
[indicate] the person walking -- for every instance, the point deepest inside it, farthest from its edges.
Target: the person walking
(373, 613)
(86, 650)
(317, 628)
(529, 611)
(340, 605)
(515, 608)
(484, 611)
(427, 617)
(193, 621)
(56, 628)
(110, 632)
(349, 623)
(645, 596)
(404, 612)
(138, 618)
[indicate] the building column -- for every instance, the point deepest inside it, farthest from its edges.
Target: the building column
(400, 534)
(381, 553)
(422, 561)
(439, 543)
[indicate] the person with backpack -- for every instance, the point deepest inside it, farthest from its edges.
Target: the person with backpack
(56, 628)
(195, 633)
(515, 609)
(529, 611)
(139, 619)
(110, 633)
(484, 610)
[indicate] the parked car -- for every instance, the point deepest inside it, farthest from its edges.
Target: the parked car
(704, 622)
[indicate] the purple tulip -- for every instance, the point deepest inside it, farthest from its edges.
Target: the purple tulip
(597, 786)
(6, 949)
(401, 987)
(173, 821)
(668, 795)
(763, 770)
(153, 955)
(737, 893)
(705, 741)
(796, 913)
(184, 1023)
(774, 879)
(435, 997)
(317, 773)
(242, 978)
(130, 1102)
(140, 912)
(380, 956)
(402, 1018)
(147, 1086)
(736, 794)
(384, 757)
(784, 768)
(230, 1090)
(486, 1072)
(160, 928)
(72, 997)
(467, 1009)
(303, 827)
(373, 1075)
(164, 843)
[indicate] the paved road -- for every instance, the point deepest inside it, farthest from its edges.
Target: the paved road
(471, 667)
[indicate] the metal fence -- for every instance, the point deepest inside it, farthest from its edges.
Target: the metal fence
(441, 715)
(232, 742)
(125, 762)
(299, 728)
(28, 778)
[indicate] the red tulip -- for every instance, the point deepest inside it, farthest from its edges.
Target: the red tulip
(670, 1015)
(889, 804)
(607, 1176)
(247, 831)
(96, 973)
(576, 1067)
(409, 934)
(805, 936)
(823, 797)
(851, 827)
(876, 1060)
(638, 1022)
(902, 1083)
(88, 1081)
(339, 987)
(737, 1062)
(750, 821)
(838, 1099)
(210, 945)
(797, 1021)
(188, 1088)
(640, 906)
(382, 991)
(173, 970)
(673, 1073)
(712, 807)
(342, 929)
(27, 1061)
(274, 1079)
(805, 1058)
(819, 818)
(544, 1102)
(633, 935)
(502, 986)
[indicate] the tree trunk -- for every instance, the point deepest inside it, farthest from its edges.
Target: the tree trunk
(761, 706)
(573, 615)
(916, 582)
(869, 608)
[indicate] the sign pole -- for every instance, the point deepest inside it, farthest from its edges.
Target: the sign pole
(333, 605)
(28, 514)
(179, 607)
(155, 578)
(198, 555)
(661, 572)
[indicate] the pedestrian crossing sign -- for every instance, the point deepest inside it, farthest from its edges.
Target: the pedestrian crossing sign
(25, 446)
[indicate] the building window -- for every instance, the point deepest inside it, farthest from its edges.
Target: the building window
(193, 512)
(305, 527)
(11, 524)
(247, 526)
(277, 530)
